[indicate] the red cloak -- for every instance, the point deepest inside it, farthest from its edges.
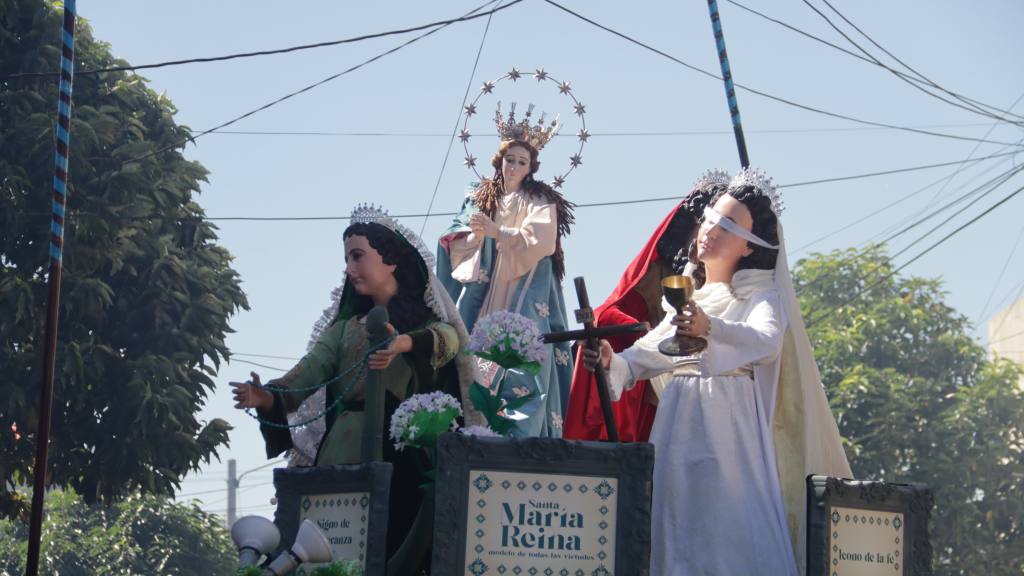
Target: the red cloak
(634, 415)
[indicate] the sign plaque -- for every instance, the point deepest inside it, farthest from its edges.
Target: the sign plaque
(348, 503)
(542, 506)
(858, 528)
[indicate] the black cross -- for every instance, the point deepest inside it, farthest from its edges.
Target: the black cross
(592, 335)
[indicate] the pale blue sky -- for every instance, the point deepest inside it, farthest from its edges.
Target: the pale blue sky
(414, 95)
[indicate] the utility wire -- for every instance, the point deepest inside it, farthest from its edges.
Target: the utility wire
(903, 75)
(193, 138)
(909, 223)
(974, 150)
(265, 356)
(874, 213)
(451, 140)
(991, 189)
(969, 108)
(1014, 335)
(765, 94)
(582, 205)
(817, 281)
(902, 170)
(1020, 290)
(877, 237)
(1001, 178)
(79, 72)
(995, 285)
(258, 364)
(637, 134)
(201, 492)
(908, 67)
(934, 245)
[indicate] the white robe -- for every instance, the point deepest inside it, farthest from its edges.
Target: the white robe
(527, 232)
(717, 505)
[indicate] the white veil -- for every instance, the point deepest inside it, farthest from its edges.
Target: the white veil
(806, 435)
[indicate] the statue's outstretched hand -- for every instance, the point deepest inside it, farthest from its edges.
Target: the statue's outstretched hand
(401, 344)
(251, 394)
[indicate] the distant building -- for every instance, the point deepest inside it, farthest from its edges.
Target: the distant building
(1006, 333)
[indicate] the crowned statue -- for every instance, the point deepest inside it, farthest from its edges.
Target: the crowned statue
(504, 252)
(740, 424)
(316, 410)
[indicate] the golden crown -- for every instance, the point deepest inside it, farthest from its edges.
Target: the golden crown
(537, 135)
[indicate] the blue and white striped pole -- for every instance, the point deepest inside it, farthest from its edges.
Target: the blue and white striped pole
(730, 90)
(60, 183)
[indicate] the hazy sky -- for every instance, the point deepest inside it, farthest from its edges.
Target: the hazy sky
(656, 126)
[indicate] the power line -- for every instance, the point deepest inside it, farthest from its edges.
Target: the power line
(902, 77)
(265, 356)
(23, 75)
(973, 150)
(200, 493)
(220, 478)
(991, 184)
(582, 205)
(254, 508)
(1014, 335)
(765, 94)
(451, 140)
(817, 281)
(999, 279)
(936, 244)
(239, 491)
(858, 56)
(910, 218)
(886, 208)
(193, 138)
(634, 134)
(901, 170)
(1020, 290)
(258, 364)
(908, 67)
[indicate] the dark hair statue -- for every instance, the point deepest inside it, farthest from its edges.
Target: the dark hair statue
(766, 227)
(406, 309)
(673, 246)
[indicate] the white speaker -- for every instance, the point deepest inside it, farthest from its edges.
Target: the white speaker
(310, 546)
(254, 536)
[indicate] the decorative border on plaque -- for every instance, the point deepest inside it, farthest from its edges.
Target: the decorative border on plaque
(361, 486)
(469, 467)
(903, 509)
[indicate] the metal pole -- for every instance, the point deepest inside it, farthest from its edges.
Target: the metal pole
(730, 90)
(60, 180)
(232, 492)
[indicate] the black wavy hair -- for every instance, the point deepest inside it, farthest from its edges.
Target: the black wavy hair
(406, 309)
(765, 227)
(674, 244)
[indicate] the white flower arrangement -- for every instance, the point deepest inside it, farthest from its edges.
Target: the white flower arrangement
(422, 417)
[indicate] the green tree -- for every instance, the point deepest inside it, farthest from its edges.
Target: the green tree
(917, 400)
(147, 293)
(137, 535)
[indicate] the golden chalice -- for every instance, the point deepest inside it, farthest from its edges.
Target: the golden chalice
(678, 290)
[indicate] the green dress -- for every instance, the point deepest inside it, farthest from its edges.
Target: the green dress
(428, 367)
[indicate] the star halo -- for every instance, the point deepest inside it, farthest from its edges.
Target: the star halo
(541, 76)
